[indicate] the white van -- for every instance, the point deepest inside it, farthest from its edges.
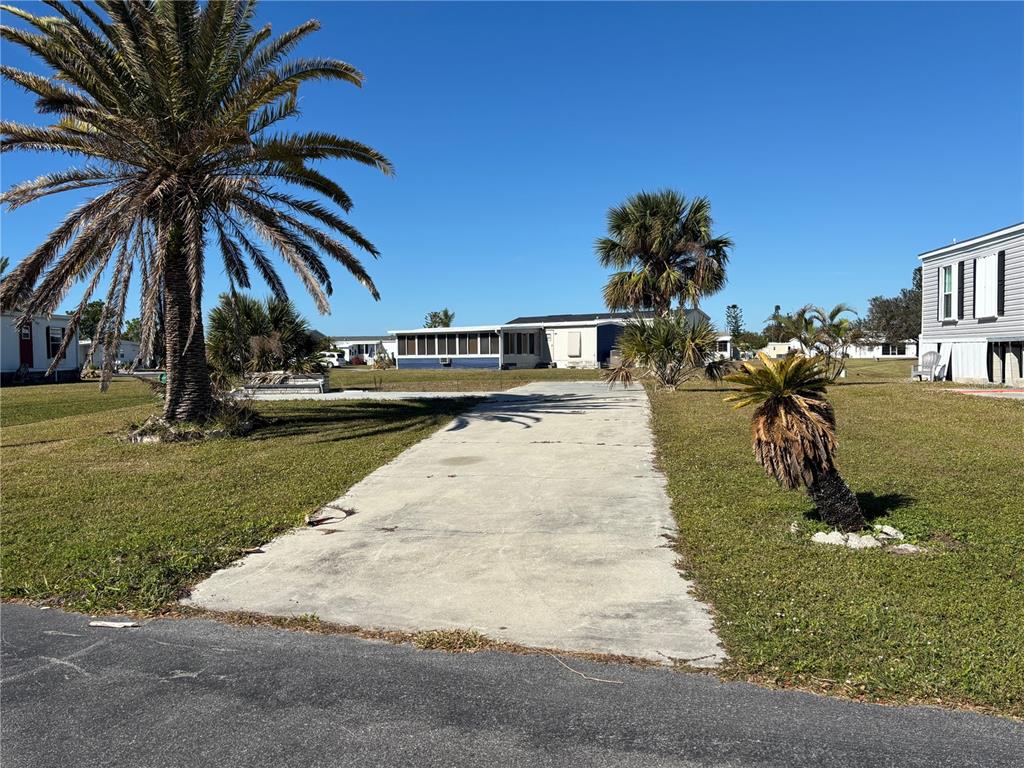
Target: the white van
(333, 359)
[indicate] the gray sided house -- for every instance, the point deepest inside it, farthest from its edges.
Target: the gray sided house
(560, 341)
(972, 307)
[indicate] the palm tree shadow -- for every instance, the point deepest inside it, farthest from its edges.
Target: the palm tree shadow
(873, 505)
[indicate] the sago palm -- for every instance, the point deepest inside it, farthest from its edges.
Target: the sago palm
(176, 108)
(663, 246)
(794, 432)
(669, 349)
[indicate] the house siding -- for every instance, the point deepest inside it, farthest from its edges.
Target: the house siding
(422, 362)
(1009, 324)
(10, 350)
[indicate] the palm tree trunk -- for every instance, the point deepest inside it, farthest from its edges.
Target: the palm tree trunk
(836, 503)
(189, 395)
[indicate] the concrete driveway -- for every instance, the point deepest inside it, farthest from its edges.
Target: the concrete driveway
(537, 518)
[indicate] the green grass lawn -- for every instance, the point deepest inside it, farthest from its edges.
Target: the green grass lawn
(945, 468)
(24, 405)
(97, 524)
(450, 379)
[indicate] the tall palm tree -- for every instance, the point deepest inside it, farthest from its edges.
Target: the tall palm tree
(664, 249)
(794, 432)
(176, 109)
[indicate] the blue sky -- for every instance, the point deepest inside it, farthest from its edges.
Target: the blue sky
(836, 142)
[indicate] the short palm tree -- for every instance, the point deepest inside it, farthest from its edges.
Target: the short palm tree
(664, 249)
(670, 349)
(836, 333)
(176, 108)
(794, 432)
(247, 335)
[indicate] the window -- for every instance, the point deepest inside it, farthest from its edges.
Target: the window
(421, 345)
(986, 286)
(519, 343)
(507, 344)
(533, 342)
(451, 345)
(463, 344)
(575, 344)
(485, 344)
(946, 289)
(894, 349)
(723, 346)
(431, 345)
(54, 337)
(473, 343)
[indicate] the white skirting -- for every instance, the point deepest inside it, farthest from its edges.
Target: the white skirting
(970, 361)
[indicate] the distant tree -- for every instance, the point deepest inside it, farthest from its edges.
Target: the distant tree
(773, 326)
(440, 319)
(749, 341)
(824, 334)
(90, 319)
(132, 330)
(665, 251)
(734, 320)
(896, 318)
(4, 263)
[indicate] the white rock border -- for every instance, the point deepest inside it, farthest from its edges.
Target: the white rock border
(885, 537)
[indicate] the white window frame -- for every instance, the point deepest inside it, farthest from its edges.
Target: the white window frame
(943, 293)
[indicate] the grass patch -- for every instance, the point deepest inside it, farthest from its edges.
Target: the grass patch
(96, 524)
(30, 404)
(945, 468)
(451, 379)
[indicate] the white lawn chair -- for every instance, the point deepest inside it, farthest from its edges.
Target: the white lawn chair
(927, 370)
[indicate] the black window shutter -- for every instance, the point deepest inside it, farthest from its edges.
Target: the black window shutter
(49, 346)
(938, 285)
(63, 333)
(960, 289)
(1001, 283)
(974, 292)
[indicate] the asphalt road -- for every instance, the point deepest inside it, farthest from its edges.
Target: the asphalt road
(197, 693)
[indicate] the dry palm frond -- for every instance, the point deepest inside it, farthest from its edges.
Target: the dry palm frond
(176, 110)
(793, 428)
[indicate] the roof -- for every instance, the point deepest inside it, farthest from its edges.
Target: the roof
(381, 337)
(970, 242)
(446, 329)
(592, 317)
(586, 317)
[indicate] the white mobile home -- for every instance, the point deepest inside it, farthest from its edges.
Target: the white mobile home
(877, 350)
(972, 308)
(364, 348)
(558, 341)
(127, 353)
(27, 351)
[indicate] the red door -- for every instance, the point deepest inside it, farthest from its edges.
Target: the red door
(25, 345)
